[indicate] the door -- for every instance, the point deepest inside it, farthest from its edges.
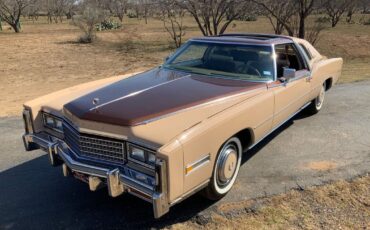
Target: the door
(292, 95)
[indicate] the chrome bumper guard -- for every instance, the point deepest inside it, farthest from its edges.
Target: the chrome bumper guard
(116, 182)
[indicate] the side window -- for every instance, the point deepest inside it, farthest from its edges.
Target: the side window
(287, 57)
(306, 51)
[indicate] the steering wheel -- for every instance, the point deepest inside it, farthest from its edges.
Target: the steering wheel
(253, 69)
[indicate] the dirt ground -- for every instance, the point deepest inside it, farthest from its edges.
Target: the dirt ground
(340, 205)
(45, 57)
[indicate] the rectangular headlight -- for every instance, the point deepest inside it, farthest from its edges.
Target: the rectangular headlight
(53, 122)
(141, 155)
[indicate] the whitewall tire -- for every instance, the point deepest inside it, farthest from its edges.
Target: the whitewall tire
(225, 172)
(317, 103)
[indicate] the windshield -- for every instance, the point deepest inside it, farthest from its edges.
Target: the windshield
(245, 62)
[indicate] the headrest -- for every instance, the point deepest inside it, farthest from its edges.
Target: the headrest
(244, 56)
(221, 63)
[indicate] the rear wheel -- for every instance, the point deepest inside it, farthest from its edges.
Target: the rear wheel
(225, 170)
(318, 102)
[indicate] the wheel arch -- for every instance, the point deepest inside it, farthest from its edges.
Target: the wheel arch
(246, 137)
(328, 83)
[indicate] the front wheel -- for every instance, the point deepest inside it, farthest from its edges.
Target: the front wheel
(225, 170)
(318, 102)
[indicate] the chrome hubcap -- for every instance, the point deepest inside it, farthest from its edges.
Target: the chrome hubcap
(227, 165)
(320, 98)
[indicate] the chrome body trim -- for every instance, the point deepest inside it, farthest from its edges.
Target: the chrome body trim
(197, 164)
(110, 135)
(94, 147)
(228, 42)
(91, 131)
(275, 64)
(116, 180)
(160, 197)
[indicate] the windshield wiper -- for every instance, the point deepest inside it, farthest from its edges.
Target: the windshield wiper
(224, 75)
(179, 68)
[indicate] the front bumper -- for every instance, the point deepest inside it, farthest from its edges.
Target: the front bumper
(116, 181)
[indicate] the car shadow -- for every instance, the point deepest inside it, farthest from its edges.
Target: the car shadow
(36, 195)
(250, 153)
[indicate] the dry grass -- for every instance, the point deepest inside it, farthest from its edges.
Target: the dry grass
(44, 58)
(341, 205)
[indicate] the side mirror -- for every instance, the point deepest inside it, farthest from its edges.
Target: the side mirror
(289, 74)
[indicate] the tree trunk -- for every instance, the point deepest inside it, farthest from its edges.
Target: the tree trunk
(1, 27)
(349, 17)
(69, 15)
(302, 31)
(333, 23)
(16, 27)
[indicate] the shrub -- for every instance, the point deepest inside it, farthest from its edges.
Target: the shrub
(248, 18)
(323, 20)
(131, 14)
(365, 22)
(108, 25)
(87, 23)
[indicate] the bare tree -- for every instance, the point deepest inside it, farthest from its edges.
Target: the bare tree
(305, 8)
(214, 16)
(146, 6)
(117, 7)
(280, 14)
(11, 11)
(351, 11)
(71, 8)
(284, 11)
(294, 16)
(172, 17)
(365, 6)
(59, 9)
(335, 9)
(313, 32)
(32, 10)
(56, 9)
(91, 16)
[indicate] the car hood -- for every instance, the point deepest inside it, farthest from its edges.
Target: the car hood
(153, 95)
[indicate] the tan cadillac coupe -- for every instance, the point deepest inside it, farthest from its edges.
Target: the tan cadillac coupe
(182, 127)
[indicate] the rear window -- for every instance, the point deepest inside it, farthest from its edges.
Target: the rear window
(306, 51)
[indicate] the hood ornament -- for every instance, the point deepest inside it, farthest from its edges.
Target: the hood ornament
(95, 101)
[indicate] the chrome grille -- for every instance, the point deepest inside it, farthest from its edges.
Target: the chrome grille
(94, 147)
